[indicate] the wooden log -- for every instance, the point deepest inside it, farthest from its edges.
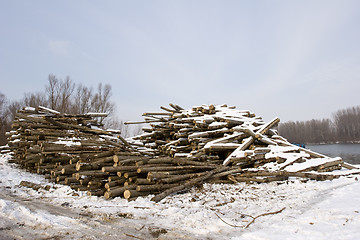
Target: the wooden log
(267, 126)
(167, 109)
(258, 180)
(100, 161)
(159, 113)
(118, 191)
(113, 184)
(130, 174)
(248, 141)
(151, 176)
(129, 160)
(315, 164)
(161, 160)
(188, 184)
(128, 194)
(119, 169)
(348, 166)
(93, 114)
(73, 126)
(86, 167)
(154, 187)
(94, 173)
(142, 181)
(114, 178)
(178, 178)
(184, 161)
(172, 168)
(213, 133)
(96, 192)
(68, 171)
(70, 180)
(48, 110)
(223, 146)
(60, 178)
(30, 118)
(313, 176)
(176, 107)
(55, 173)
(226, 173)
(78, 187)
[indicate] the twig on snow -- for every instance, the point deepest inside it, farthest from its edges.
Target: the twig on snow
(129, 235)
(253, 218)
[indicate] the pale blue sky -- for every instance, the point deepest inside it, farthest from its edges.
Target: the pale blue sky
(297, 60)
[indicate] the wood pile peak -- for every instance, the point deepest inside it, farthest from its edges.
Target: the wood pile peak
(179, 148)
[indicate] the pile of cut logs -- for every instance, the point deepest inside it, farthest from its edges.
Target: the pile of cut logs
(222, 135)
(180, 149)
(68, 149)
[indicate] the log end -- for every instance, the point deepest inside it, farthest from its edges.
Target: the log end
(115, 158)
(107, 195)
(127, 194)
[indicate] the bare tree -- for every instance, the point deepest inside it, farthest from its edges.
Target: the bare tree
(345, 127)
(13, 107)
(35, 99)
(2, 104)
(65, 96)
(5, 119)
(59, 93)
(53, 91)
(82, 100)
(137, 130)
(67, 87)
(347, 124)
(3, 122)
(101, 100)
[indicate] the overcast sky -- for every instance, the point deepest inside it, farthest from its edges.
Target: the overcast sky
(297, 60)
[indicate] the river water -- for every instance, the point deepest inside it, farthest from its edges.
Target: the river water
(350, 153)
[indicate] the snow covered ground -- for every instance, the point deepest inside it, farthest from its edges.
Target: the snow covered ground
(310, 210)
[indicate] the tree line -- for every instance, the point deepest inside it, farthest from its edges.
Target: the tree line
(65, 96)
(343, 127)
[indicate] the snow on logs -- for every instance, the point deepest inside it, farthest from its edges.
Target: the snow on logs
(69, 149)
(178, 150)
(219, 134)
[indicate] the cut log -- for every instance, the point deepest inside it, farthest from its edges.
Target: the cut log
(128, 194)
(187, 185)
(118, 191)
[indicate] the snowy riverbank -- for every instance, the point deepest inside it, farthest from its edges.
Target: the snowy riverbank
(313, 210)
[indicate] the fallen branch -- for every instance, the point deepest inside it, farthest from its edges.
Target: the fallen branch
(264, 214)
(253, 218)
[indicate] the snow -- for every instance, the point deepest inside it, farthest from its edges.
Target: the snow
(313, 210)
(69, 141)
(315, 162)
(49, 110)
(96, 114)
(30, 109)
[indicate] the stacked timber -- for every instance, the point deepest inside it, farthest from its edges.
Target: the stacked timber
(68, 149)
(75, 151)
(222, 135)
(178, 150)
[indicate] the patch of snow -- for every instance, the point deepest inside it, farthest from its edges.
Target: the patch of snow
(298, 167)
(49, 110)
(69, 141)
(313, 210)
